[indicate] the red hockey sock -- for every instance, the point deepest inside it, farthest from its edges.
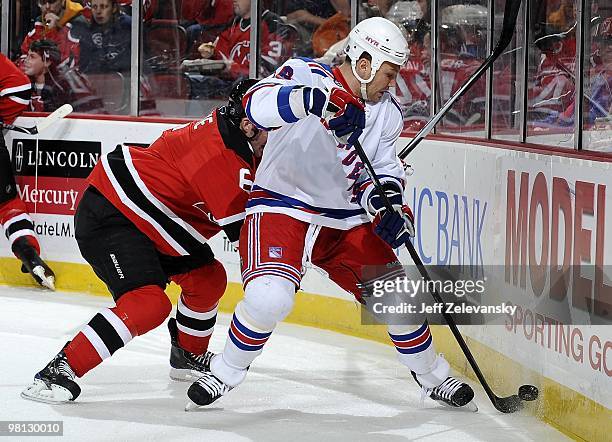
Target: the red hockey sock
(137, 312)
(17, 223)
(196, 312)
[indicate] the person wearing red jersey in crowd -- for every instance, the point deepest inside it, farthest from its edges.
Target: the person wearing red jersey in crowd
(210, 17)
(14, 218)
(55, 84)
(145, 220)
(60, 21)
(232, 45)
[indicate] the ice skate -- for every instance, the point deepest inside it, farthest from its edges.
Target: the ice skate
(33, 264)
(185, 366)
(214, 383)
(54, 384)
(452, 392)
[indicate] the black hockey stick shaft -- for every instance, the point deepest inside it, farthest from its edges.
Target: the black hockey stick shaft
(510, 15)
(26, 130)
(505, 405)
(43, 124)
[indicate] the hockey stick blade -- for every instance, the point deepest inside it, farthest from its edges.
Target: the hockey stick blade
(56, 115)
(508, 404)
(510, 15)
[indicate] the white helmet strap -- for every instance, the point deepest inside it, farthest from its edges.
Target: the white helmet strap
(363, 83)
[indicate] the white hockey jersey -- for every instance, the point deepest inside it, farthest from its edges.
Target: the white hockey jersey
(304, 172)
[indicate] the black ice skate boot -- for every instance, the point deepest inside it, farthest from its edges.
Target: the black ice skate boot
(185, 366)
(210, 387)
(452, 392)
(54, 384)
(33, 264)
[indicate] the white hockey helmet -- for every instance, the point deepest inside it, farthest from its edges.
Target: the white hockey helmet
(382, 40)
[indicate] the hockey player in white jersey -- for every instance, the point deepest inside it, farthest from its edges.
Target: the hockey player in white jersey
(311, 201)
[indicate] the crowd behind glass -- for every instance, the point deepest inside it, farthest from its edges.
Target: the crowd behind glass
(193, 51)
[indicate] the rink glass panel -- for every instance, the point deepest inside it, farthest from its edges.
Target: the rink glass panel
(597, 84)
(92, 74)
(551, 73)
(180, 80)
(462, 31)
(507, 82)
(529, 98)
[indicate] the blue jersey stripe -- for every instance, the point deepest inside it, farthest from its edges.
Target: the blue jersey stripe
(280, 200)
(284, 107)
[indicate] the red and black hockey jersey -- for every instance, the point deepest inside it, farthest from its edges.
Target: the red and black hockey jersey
(15, 90)
(234, 44)
(191, 183)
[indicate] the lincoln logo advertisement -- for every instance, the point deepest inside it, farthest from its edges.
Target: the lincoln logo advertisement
(51, 178)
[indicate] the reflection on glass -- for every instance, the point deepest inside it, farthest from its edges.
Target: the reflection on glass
(550, 78)
(462, 32)
(414, 80)
(597, 99)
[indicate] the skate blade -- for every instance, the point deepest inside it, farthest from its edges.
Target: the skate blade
(184, 375)
(470, 406)
(192, 406)
(45, 281)
(39, 392)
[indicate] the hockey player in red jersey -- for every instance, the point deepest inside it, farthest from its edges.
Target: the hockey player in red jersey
(15, 91)
(144, 221)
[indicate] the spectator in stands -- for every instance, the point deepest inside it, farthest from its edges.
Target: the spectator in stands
(40, 66)
(207, 18)
(125, 7)
(106, 44)
(311, 14)
(60, 21)
(377, 8)
(54, 83)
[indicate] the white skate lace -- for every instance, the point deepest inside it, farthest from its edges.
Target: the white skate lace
(446, 389)
(204, 359)
(62, 368)
(212, 385)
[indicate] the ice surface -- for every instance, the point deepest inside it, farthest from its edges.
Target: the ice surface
(309, 385)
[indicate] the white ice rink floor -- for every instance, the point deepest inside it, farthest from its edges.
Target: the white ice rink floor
(309, 385)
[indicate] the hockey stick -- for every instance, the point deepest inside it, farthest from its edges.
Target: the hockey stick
(510, 15)
(50, 119)
(508, 404)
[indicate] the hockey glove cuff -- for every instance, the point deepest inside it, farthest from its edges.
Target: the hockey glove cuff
(394, 227)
